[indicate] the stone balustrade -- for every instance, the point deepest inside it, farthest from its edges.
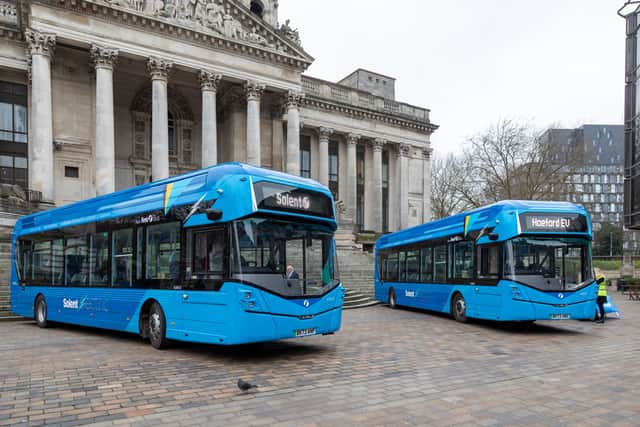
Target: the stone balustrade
(331, 91)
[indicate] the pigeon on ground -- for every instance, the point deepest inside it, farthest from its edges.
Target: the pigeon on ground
(245, 386)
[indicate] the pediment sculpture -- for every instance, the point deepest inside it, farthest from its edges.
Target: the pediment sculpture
(290, 33)
(201, 15)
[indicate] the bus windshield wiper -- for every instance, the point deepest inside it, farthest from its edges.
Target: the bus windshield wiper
(194, 208)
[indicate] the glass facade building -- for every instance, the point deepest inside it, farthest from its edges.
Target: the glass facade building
(632, 123)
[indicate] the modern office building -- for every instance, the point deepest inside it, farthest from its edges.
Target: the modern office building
(630, 11)
(594, 157)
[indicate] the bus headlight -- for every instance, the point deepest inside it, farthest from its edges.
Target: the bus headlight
(515, 293)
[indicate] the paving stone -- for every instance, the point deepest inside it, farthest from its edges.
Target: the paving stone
(385, 367)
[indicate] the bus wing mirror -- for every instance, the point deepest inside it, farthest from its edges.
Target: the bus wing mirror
(600, 280)
(493, 236)
(214, 214)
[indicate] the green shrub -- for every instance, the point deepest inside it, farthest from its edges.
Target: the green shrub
(607, 264)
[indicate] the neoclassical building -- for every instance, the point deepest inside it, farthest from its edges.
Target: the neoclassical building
(100, 95)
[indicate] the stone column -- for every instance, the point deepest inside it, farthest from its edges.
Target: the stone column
(41, 176)
(426, 184)
(254, 92)
(323, 155)
(104, 59)
(403, 179)
(376, 203)
(352, 179)
(159, 70)
(277, 133)
(209, 83)
(294, 99)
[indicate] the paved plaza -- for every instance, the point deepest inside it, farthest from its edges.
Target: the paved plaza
(385, 367)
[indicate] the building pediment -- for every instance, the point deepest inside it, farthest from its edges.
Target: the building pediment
(222, 19)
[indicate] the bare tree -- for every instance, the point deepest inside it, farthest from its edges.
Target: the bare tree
(508, 161)
(514, 162)
(446, 198)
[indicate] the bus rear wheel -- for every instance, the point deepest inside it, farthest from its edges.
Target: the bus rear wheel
(392, 299)
(459, 308)
(157, 327)
(41, 312)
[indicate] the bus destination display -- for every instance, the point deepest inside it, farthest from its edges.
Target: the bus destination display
(280, 197)
(570, 223)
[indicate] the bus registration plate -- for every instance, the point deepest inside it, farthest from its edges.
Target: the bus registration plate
(561, 316)
(304, 332)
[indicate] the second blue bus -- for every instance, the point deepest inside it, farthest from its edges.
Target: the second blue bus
(510, 261)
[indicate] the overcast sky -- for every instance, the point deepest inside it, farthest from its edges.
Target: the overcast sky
(473, 62)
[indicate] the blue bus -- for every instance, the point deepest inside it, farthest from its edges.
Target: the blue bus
(200, 257)
(509, 261)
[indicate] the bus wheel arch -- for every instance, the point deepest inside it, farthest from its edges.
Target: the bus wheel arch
(458, 307)
(393, 302)
(40, 311)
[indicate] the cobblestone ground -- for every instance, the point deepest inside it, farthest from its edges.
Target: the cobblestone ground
(385, 367)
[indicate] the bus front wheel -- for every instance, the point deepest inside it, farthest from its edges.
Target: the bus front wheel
(157, 327)
(392, 299)
(41, 312)
(459, 308)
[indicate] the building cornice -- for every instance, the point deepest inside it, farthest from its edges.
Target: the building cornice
(322, 104)
(287, 55)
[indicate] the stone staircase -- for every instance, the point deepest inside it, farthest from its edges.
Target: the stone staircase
(5, 272)
(354, 299)
(356, 273)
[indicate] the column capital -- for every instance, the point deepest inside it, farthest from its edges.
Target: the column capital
(377, 144)
(158, 68)
(427, 153)
(254, 90)
(40, 43)
(353, 138)
(294, 99)
(103, 57)
(404, 150)
(324, 133)
(209, 81)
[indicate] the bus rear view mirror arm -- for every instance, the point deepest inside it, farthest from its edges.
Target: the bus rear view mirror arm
(214, 214)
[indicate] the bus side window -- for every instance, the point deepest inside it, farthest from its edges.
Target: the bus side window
(42, 262)
(488, 261)
(392, 267)
(462, 261)
(383, 265)
(413, 266)
(402, 266)
(57, 262)
(440, 263)
(427, 265)
(76, 262)
(121, 258)
(25, 260)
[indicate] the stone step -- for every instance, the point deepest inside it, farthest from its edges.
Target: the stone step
(363, 305)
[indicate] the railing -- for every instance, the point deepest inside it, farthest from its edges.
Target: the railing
(359, 98)
(33, 196)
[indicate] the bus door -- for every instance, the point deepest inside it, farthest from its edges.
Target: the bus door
(204, 304)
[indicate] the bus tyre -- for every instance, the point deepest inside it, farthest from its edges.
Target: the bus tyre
(41, 312)
(459, 308)
(157, 327)
(392, 299)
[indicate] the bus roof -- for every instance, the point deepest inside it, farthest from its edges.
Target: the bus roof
(187, 189)
(501, 218)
